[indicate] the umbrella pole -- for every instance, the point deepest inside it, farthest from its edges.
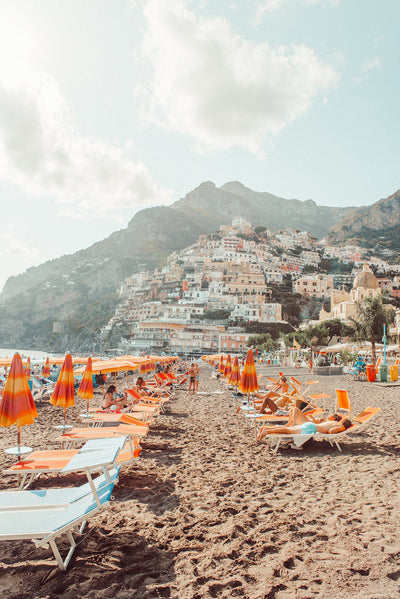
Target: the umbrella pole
(19, 442)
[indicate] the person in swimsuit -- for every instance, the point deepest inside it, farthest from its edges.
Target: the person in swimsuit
(192, 378)
(276, 398)
(113, 400)
(331, 426)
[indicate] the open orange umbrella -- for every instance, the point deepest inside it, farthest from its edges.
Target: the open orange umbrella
(85, 390)
(63, 394)
(17, 405)
(234, 377)
(248, 381)
(228, 366)
(46, 368)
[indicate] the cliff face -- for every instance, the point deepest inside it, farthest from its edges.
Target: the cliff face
(78, 291)
(384, 214)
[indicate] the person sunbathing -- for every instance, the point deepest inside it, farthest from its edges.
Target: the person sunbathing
(112, 400)
(276, 398)
(282, 406)
(330, 426)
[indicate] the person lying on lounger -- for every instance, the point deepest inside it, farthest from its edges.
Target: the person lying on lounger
(281, 406)
(278, 396)
(330, 426)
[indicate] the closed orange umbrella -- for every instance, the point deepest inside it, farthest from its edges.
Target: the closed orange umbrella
(248, 381)
(221, 366)
(85, 390)
(46, 368)
(17, 405)
(228, 366)
(28, 369)
(234, 377)
(63, 394)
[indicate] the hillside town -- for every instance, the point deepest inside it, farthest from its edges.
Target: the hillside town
(200, 300)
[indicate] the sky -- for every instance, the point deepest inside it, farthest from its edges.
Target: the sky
(108, 107)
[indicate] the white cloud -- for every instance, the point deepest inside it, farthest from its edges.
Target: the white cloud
(219, 88)
(42, 152)
(16, 247)
(375, 63)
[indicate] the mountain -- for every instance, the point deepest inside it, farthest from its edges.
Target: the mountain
(61, 304)
(370, 226)
(211, 205)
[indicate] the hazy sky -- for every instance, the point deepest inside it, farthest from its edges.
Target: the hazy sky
(109, 106)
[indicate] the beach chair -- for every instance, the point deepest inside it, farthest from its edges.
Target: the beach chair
(343, 403)
(333, 439)
(51, 498)
(96, 455)
(44, 526)
(98, 419)
(157, 402)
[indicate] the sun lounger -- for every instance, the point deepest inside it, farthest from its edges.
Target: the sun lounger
(11, 501)
(96, 455)
(97, 419)
(45, 525)
(333, 439)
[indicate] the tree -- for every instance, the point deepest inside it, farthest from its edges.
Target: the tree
(372, 315)
(264, 343)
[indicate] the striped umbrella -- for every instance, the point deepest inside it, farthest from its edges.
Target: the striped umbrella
(63, 394)
(248, 381)
(85, 390)
(28, 369)
(235, 373)
(17, 405)
(221, 367)
(46, 368)
(228, 367)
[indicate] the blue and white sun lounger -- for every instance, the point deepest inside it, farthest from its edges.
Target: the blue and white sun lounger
(11, 501)
(44, 526)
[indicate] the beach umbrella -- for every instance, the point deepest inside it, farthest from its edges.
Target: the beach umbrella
(228, 366)
(28, 369)
(221, 366)
(85, 390)
(63, 394)
(46, 368)
(248, 381)
(17, 405)
(234, 377)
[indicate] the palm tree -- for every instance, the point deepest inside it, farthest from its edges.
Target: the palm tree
(372, 315)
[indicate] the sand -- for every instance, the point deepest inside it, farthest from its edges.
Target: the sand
(206, 511)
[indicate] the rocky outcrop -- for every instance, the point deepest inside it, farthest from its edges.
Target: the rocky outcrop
(382, 215)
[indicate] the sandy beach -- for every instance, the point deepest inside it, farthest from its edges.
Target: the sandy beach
(206, 511)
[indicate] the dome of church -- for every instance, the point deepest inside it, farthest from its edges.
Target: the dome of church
(366, 279)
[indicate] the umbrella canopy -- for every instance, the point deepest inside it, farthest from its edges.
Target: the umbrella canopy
(85, 390)
(17, 405)
(105, 366)
(221, 367)
(63, 394)
(46, 368)
(234, 377)
(248, 381)
(228, 366)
